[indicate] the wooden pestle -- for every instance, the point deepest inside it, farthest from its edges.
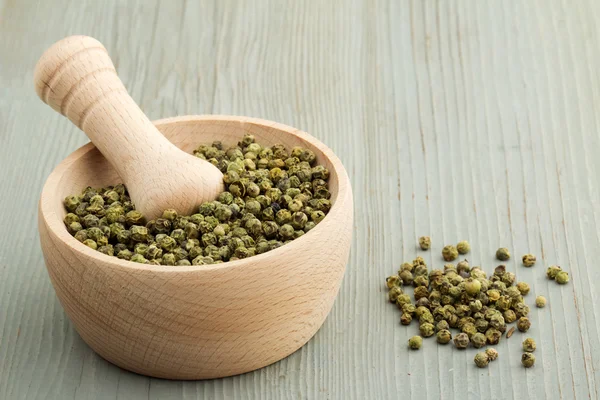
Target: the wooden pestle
(77, 78)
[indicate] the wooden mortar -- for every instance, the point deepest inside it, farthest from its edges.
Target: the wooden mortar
(197, 322)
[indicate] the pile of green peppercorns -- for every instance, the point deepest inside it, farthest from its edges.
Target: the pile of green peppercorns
(463, 297)
(271, 197)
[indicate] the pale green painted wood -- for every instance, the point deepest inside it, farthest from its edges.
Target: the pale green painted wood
(460, 119)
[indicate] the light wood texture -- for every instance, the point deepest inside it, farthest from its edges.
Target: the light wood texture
(77, 78)
(197, 322)
(461, 119)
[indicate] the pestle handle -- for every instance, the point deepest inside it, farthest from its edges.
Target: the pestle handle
(77, 78)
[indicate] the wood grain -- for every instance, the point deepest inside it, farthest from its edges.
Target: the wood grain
(459, 119)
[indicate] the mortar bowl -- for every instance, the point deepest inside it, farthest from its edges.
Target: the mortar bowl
(197, 322)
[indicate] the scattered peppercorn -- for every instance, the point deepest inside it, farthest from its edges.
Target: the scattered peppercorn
(392, 281)
(465, 298)
(523, 288)
(406, 276)
(552, 271)
(415, 342)
(523, 324)
(472, 287)
(481, 359)
(425, 242)
(449, 253)
(426, 329)
(444, 336)
(528, 360)
(529, 345)
(442, 325)
(463, 247)
(461, 341)
(405, 319)
(478, 340)
(393, 293)
(529, 260)
(492, 354)
(562, 277)
(540, 302)
(503, 254)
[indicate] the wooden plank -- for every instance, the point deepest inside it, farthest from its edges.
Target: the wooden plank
(462, 120)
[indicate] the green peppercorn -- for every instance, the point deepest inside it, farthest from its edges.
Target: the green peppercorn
(168, 259)
(503, 254)
(481, 324)
(441, 325)
(415, 342)
(421, 292)
(423, 302)
(523, 324)
(552, 271)
(392, 281)
(478, 340)
(406, 276)
(529, 345)
(425, 242)
(72, 202)
(493, 336)
(134, 217)
(461, 341)
(139, 233)
(540, 302)
(481, 359)
(153, 252)
(180, 254)
(529, 260)
(167, 243)
(426, 318)
(286, 231)
(405, 319)
(138, 258)
(469, 328)
(463, 247)
(421, 280)
(521, 309)
(74, 227)
(562, 277)
(421, 311)
(90, 221)
(492, 354)
(402, 300)
(91, 244)
(409, 308)
(393, 293)
(444, 336)
(449, 253)
(523, 288)
(70, 218)
(169, 214)
(107, 249)
(406, 266)
(509, 316)
(528, 360)
(125, 254)
(472, 287)
(81, 235)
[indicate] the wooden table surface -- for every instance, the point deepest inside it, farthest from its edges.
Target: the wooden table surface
(459, 119)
